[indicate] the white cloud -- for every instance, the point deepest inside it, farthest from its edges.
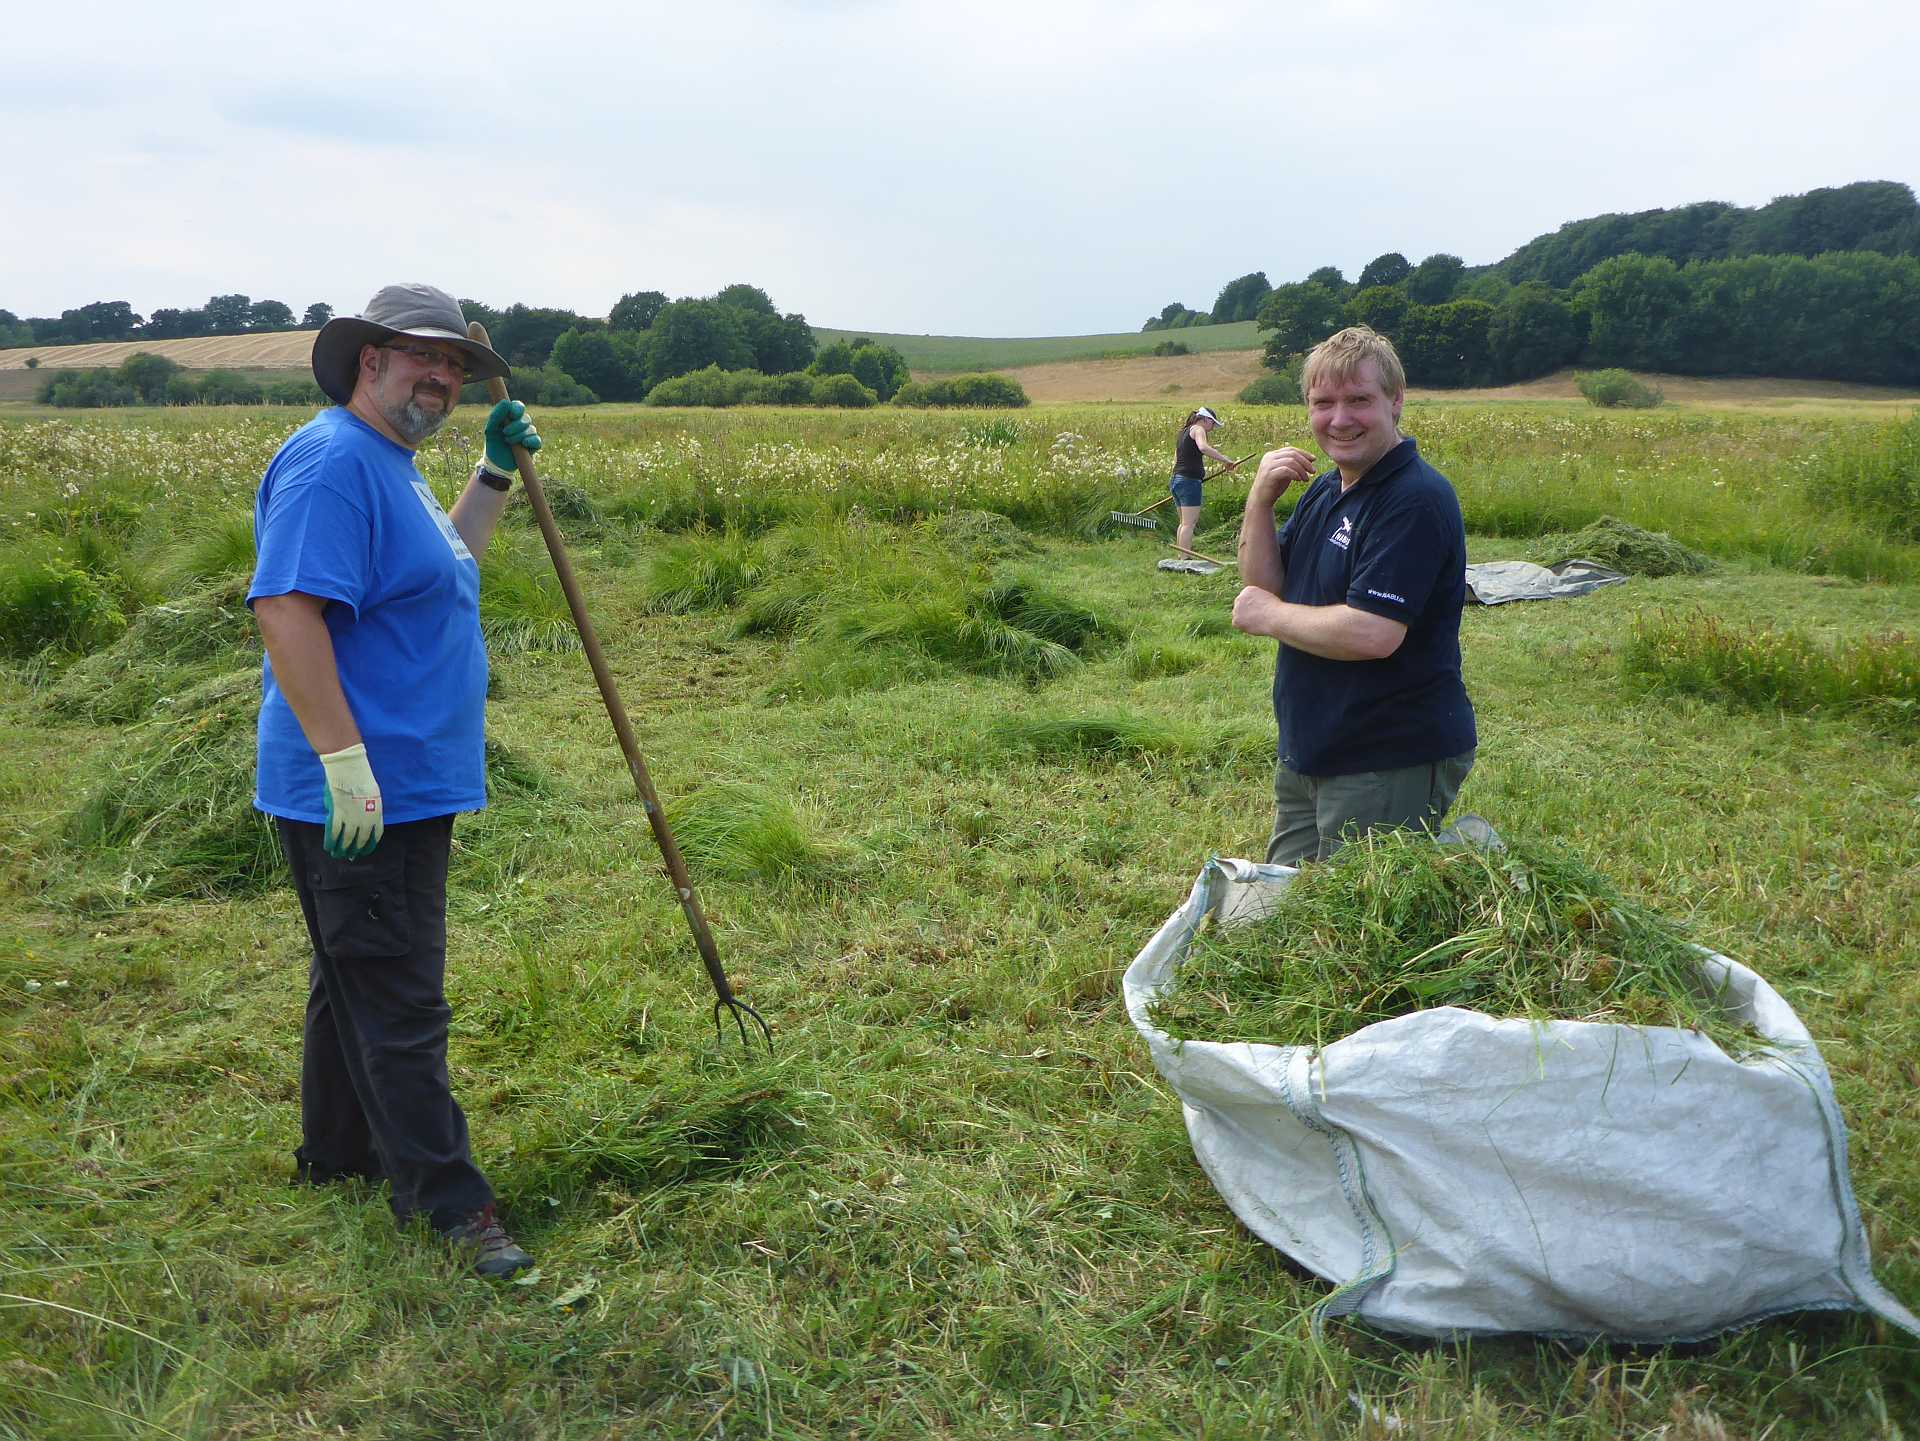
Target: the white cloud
(992, 168)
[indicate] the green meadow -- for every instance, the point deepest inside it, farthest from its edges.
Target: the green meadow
(938, 353)
(943, 751)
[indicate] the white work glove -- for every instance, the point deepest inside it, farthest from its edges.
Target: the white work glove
(355, 822)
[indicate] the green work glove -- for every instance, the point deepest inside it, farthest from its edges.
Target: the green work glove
(355, 821)
(508, 426)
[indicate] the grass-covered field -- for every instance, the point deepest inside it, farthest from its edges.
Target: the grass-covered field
(937, 353)
(938, 778)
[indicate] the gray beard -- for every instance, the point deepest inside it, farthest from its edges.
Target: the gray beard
(413, 424)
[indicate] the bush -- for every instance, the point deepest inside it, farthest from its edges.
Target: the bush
(85, 389)
(1281, 387)
(535, 385)
(842, 390)
(793, 388)
(1173, 347)
(296, 392)
(229, 387)
(709, 385)
(149, 375)
(714, 386)
(1617, 388)
(983, 391)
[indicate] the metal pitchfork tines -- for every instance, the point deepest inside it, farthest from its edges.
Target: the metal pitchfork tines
(617, 713)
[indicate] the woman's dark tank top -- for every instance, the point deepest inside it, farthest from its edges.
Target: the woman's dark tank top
(1186, 457)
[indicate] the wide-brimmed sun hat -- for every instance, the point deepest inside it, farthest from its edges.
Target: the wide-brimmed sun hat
(418, 310)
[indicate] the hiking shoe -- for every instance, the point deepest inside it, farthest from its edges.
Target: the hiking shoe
(486, 1241)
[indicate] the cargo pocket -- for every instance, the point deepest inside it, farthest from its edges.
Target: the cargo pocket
(362, 905)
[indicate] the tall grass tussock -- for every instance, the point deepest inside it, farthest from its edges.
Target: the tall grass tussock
(1874, 676)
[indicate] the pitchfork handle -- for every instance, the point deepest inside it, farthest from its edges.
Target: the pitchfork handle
(617, 713)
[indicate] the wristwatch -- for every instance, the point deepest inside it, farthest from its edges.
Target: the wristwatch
(488, 475)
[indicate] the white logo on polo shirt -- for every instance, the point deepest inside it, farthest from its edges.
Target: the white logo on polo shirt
(441, 519)
(1342, 537)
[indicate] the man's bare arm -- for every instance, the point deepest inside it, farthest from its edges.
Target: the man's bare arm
(301, 649)
(1337, 632)
(476, 513)
(1260, 563)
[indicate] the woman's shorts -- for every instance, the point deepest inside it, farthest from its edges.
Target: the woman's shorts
(1186, 489)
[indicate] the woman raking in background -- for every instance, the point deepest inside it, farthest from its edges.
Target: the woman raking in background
(1190, 468)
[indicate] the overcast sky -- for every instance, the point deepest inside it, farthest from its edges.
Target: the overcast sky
(972, 167)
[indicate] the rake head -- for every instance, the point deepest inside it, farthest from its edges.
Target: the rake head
(1133, 518)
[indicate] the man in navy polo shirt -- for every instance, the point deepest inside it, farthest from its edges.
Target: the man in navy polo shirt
(1363, 588)
(370, 739)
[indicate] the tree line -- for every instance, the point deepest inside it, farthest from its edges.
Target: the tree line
(117, 320)
(730, 348)
(1849, 315)
(1822, 285)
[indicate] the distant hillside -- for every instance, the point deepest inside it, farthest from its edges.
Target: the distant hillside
(946, 353)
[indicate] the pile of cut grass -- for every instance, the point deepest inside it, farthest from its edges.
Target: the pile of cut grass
(1627, 548)
(170, 649)
(172, 813)
(1395, 923)
(980, 534)
(173, 807)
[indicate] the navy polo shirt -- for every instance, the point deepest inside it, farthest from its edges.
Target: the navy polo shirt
(1392, 545)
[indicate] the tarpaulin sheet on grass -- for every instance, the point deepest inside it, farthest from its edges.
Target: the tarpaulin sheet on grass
(1495, 582)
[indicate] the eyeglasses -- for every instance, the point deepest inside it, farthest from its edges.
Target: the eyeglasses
(429, 358)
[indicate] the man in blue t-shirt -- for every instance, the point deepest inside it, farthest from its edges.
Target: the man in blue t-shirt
(367, 595)
(1363, 588)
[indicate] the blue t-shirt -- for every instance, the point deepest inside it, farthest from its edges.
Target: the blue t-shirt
(342, 514)
(1392, 545)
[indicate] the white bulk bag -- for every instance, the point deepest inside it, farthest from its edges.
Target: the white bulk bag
(1455, 1174)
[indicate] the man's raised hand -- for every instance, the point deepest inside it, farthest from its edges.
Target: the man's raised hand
(1278, 470)
(508, 425)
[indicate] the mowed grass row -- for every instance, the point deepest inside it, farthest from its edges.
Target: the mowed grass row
(955, 1200)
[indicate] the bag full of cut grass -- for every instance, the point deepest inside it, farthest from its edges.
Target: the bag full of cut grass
(1374, 1079)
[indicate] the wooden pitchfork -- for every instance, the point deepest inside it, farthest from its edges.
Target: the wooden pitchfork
(617, 713)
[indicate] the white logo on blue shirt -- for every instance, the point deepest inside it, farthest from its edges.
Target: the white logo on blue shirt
(1343, 537)
(441, 519)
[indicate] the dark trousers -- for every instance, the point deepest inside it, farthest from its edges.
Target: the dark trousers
(374, 1095)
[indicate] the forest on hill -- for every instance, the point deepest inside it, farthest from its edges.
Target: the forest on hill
(1824, 285)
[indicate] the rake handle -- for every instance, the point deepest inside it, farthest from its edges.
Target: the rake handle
(1223, 470)
(1193, 554)
(617, 713)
